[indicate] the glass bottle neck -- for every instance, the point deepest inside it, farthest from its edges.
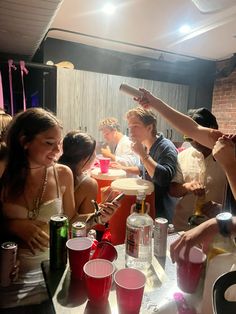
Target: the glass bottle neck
(140, 207)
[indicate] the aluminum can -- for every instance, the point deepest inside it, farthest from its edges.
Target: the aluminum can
(78, 229)
(160, 236)
(59, 226)
(7, 262)
(130, 90)
(92, 234)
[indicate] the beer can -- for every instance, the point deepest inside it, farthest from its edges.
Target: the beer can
(78, 229)
(160, 236)
(7, 262)
(59, 226)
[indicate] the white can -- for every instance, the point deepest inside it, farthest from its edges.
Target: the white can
(160, 236)
(7, 262)
(130, 90)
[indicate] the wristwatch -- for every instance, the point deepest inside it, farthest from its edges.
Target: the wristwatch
(224, 221)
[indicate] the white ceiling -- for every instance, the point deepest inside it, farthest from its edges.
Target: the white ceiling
(152, 24)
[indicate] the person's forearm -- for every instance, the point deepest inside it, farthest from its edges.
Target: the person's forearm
(177, 189)
(231, 176)
(149, 164)
(183, 123)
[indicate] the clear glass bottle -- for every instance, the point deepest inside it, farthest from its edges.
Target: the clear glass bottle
(139, 227)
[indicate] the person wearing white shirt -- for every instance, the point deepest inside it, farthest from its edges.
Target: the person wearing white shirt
(123, 153)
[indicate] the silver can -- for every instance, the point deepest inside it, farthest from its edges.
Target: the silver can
(160, 237)
(92, 234)
(7, 262)
(78, 229)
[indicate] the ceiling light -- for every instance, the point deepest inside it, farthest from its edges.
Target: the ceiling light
(185, 29)
(109, 8)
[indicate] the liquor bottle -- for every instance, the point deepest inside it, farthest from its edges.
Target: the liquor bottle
(139, 227)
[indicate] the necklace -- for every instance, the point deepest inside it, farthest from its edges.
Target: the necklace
(33, 214)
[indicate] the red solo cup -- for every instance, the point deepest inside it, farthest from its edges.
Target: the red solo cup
(79, 253)
(98, 279)
(104, 164)
(189, 270)
(105, 250)
(130, 284)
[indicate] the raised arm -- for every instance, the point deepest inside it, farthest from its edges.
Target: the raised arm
(224, 152)
(180, 121)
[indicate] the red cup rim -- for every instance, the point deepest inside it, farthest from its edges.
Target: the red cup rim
(98, 260)
(181, 255)
(127, 270)
(104, 158)
(109, 244)
(79, 239)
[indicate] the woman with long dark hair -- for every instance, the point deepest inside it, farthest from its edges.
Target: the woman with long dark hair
(79, 154)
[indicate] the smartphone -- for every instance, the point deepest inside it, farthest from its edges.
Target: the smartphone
(118, 197)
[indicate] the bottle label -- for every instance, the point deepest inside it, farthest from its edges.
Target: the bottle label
(136, 237)
(132, 241)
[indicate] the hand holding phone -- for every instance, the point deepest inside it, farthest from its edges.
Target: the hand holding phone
(117, 198)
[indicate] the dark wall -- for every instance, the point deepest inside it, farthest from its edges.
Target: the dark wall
(197, 73)
(39, 83)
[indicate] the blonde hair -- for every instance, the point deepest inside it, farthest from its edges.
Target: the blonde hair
(109, 123)
(5, 120)
(147, 117)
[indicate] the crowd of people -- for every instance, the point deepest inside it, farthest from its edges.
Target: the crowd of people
(43, 174)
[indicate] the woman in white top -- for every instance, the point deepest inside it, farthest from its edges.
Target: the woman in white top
(33, 189)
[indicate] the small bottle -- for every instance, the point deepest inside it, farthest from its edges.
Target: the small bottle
(139, 227)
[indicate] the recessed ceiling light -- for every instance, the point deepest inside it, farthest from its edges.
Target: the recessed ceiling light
(185, 29)
(109, 8)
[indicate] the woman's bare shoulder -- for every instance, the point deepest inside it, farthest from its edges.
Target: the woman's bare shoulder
(64, 172)
(89, 183)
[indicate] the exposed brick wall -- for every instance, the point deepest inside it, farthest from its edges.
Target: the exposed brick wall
(224, 103)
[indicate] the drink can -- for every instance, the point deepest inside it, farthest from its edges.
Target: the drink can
(59, 226)
(92, 234)
(7, 262)
(130, 90)
(160, 237)
(78, 229)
